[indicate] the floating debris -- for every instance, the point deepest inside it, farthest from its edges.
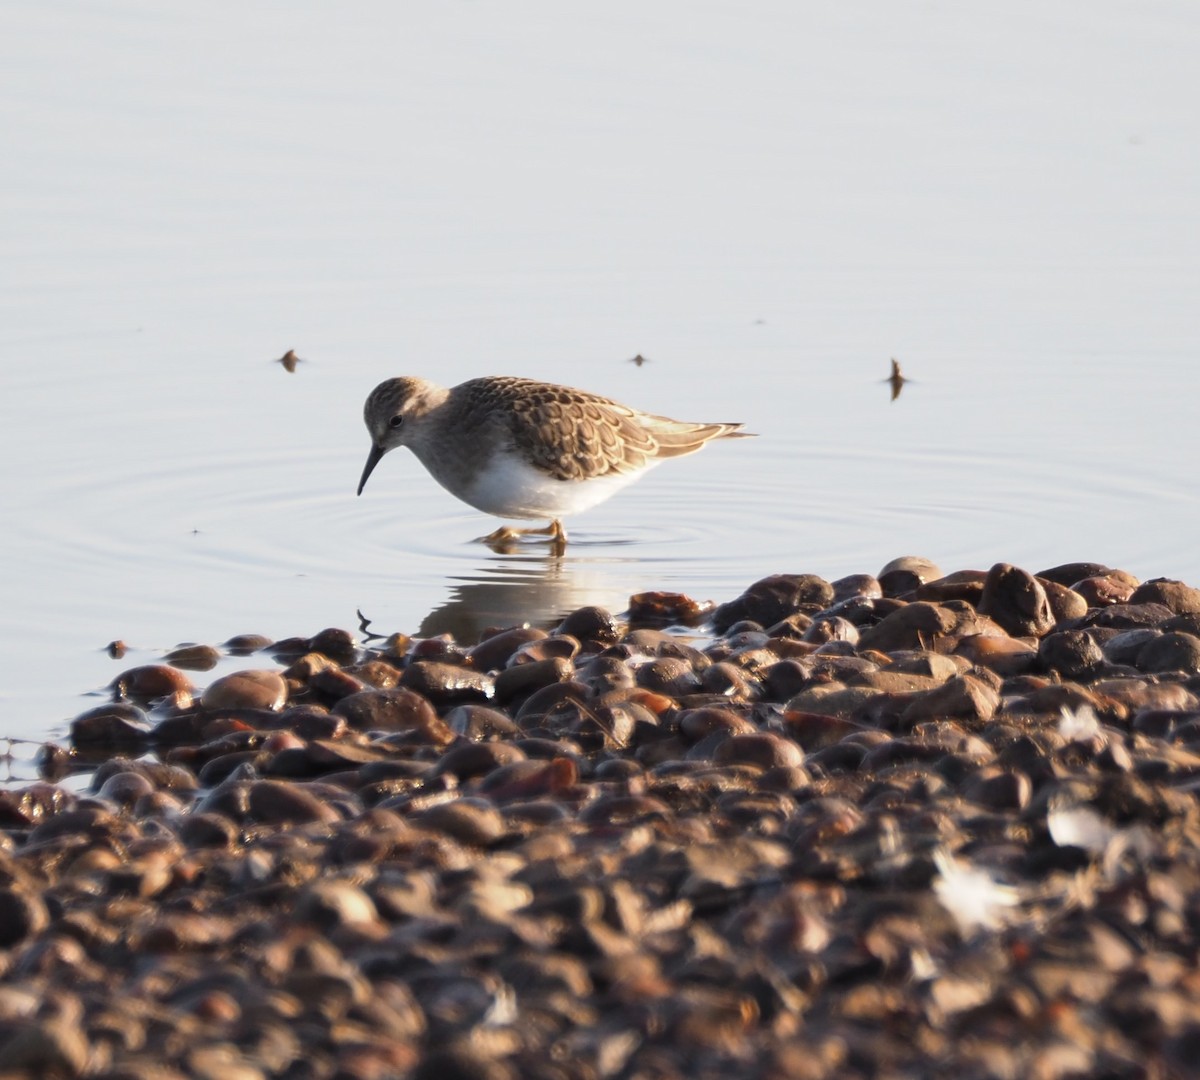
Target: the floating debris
(289, 360)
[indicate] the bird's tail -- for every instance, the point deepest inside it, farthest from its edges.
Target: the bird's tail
(675, 438)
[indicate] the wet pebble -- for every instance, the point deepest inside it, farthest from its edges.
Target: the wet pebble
(144, 684)
(1015, 599)
(111, 726)
(907, 574)
(448, 684)
(193, 657)
(1172, 651)
(774, 598)
(23, 915)
(1180, 598)
(250, 689)
(779, 843)
(665, 609)
(591, 624)
(471, 821)
(337, 644)
(494, 652)
(246, 644)
(1074, 654)
(388, 710)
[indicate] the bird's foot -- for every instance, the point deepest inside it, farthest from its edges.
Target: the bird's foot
(505, 539)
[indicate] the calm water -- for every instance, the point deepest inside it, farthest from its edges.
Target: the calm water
(768, 205)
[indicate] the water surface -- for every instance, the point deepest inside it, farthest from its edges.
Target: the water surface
(767, 205)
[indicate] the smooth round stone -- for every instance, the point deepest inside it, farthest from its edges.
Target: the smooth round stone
(46, 1048)
(548, 700)
(1189, 623)
(669, 675)
(443, 649)
(221, 767)
(672, 647)
(773, 599)
(448, 684)
(791, 629)
(494, 652)
(1130, 616)
(470, 759)
(765, 750)
(125, 788)
(158, 773)
(530, 779)
(729, 680)
(560, 646)
(1069, 573)
(1103, 590)
(471, 821)
(1065, 603)
(376, 673)
(479, 723)
(696, 724)
(158, 804)
(526, 678)
(593, 624)
(865, 586)
(334, 683)
(309, 722)
(962, 585)
(787, 678)
(1180, 598)
(278, 802)
(1074, 654)
(23, 915)
(1016, 600)
(337, 644)
(245, 644)
(624, 810)
(1172, 651)
(150, 681)
(998, 788)
(193, 657)
(386, 710)
(331, 905)
(913, 626)
(923, 662)
(963, 697)
(606, 673)
(120, 724)
(665, 609)
(208, 830)
(906, 574)
(834, 628)
(252, 689)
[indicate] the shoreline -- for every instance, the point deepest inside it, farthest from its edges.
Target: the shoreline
(896, 823)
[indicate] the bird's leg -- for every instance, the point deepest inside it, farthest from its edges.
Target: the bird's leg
(555, 531)
(506, 534)
(558, 538)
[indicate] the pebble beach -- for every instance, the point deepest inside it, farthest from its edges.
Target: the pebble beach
(901, 824)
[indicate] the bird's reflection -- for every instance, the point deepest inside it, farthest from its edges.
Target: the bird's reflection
(533, 586)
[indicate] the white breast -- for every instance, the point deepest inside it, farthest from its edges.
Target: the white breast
(507, 487)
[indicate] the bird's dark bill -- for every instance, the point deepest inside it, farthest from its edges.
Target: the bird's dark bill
(372, 460)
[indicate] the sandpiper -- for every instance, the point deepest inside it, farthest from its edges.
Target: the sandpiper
(520, 448)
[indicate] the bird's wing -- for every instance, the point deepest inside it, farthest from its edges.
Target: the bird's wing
(568, 434)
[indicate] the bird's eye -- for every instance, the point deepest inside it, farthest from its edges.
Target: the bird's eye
(395, 422)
